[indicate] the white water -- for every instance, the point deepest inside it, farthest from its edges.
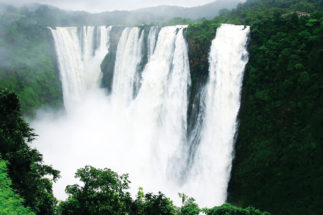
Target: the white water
(129, 54)
(152, 108)
(144, 133)
(228, 57)
(152, 37)
(79, 69)
(172, 140)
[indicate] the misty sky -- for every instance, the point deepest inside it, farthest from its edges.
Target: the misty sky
(108, 5)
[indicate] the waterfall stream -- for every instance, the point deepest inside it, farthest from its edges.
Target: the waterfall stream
(140, 128)
(212, 165)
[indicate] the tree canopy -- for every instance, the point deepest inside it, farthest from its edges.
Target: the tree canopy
(26, 170)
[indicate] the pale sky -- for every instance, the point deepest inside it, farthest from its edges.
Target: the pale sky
(109, 5)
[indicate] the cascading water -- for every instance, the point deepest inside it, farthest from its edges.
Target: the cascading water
(152, 36)
(212, 166)
(172, 138)
(161, 100)
(141, 127)
(129, 54)
(79, 68)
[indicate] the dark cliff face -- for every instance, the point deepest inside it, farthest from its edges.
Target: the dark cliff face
(107, 65)
(199, 38)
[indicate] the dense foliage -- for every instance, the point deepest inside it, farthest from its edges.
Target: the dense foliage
(103, 191)
(279, 147)
(25, 167)
(28, 62)
(228, 209)
(10, 202)
(256, 11)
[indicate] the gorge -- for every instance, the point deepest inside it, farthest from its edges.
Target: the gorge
(225, 109)
(140, 126)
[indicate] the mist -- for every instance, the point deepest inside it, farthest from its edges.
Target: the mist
(88, 135)
(95, 6)
(97, 133)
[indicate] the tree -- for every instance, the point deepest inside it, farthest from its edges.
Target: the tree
(103, 192)
(156, 204)
(189, 207)
(25, 165)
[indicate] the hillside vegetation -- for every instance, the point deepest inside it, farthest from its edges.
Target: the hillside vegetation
(28, 62)
(29, 177)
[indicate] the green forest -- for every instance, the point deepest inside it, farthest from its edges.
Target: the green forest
(277, 167)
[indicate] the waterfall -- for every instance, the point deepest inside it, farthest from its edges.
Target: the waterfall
(126, 78)
(160, 108)
(227, 59)
(141, 127)
(172, 140)
(79, 67)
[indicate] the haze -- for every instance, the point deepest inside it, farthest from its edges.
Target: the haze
(110, 5)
